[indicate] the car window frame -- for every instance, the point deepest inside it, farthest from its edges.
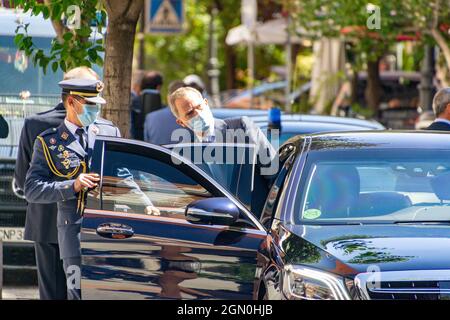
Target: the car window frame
(160, 152)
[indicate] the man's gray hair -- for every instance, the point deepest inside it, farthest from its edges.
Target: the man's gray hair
(180, 94)
(441, 100)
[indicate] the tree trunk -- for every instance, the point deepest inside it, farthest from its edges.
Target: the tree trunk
(373, 90)
(123, 16)
(230, 62)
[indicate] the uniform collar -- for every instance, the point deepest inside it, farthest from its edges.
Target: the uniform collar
(72, 127)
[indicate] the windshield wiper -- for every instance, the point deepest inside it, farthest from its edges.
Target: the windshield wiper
(335, 223)
(422, 222)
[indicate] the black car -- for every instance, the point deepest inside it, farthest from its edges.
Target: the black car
(361, 215)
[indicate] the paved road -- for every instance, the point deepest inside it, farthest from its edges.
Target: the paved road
(20, 293)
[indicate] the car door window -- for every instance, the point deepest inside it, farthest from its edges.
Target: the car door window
(133, 183)
(231, 165)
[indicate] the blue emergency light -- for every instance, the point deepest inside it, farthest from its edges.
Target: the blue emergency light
(274, 118)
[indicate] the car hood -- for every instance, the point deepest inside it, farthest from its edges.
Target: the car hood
(351, 249)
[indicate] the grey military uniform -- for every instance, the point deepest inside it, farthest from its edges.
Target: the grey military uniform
(58, 159)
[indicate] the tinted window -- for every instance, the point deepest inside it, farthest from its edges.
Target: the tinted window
(137, 184)
(231, 166)
(388, 185)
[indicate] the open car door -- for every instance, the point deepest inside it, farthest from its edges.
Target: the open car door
(233, 166)
(199, 243)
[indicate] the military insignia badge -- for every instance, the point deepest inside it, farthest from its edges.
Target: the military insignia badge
(52, 141)
(52, 148)
(66, 163)
(60, 148)
(95, 130)
(66, 154)
(65, 135)
(99, 87)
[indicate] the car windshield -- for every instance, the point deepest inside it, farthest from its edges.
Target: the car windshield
(392, 186)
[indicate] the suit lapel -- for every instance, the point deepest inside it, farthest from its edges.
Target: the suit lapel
(70, 141)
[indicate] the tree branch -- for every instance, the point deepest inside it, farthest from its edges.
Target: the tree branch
(58, 25)
(442, 43)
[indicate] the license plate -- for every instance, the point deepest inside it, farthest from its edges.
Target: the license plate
(11, 234)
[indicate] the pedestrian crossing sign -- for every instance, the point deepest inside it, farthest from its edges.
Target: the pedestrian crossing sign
(165, 16)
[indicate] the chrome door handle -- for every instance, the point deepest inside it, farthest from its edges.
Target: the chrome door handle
(115, 231)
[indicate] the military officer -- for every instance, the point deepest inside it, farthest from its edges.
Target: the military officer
(40, 223)
(59, 170)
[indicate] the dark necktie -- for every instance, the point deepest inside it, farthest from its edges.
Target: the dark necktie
(80, 133)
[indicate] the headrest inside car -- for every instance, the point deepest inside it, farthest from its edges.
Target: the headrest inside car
(441, 186)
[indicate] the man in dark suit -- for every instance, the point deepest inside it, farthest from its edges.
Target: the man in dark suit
(151, 80)
(40, 224)
(441, 108)
(192, 112)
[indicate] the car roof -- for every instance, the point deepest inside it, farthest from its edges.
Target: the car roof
(261, 116)
(387, 139)
(293, 118)
(223, 113)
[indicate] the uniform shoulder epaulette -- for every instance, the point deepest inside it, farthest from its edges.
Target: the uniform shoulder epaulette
(102, 121)
(48, 132)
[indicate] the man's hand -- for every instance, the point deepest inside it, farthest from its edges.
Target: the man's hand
(86, 180)
(151, 210)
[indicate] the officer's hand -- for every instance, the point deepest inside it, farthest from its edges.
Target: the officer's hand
(151, 210)
(86, 180)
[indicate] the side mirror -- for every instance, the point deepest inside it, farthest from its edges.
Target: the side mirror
(216, 211)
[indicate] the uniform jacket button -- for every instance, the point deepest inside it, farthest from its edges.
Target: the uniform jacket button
(66, 222)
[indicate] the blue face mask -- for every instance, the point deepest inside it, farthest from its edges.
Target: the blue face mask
(198, 124)
(202, 122)
(90, 113)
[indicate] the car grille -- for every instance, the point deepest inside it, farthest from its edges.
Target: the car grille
(406, 290)
(404, 285)
(8, 200)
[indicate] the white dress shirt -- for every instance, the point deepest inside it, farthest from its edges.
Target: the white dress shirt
(73, 128)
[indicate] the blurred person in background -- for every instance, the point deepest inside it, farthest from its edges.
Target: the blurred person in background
(135, 105)
(441, 108)
(195, 82)
(152, 80)
(160, 124)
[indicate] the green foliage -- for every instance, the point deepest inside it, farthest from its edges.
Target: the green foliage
(72, 47)
(331, 18)
(179, 55)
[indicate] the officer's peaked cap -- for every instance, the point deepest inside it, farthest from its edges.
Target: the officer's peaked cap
(86, 88)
